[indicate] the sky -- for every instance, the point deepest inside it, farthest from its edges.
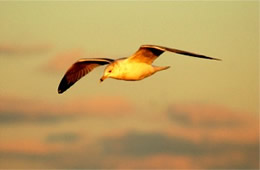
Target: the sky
(199, 114)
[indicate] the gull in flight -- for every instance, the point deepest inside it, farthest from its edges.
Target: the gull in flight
(136, 67)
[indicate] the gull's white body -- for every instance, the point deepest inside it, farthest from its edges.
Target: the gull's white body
(123, 69)
(136, 67)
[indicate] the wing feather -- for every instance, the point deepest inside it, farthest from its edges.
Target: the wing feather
(79, 69)
(148, 53)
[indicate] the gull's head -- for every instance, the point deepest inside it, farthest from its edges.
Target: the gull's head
(111, 71)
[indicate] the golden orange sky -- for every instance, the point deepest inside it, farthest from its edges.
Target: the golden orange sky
(195, 102)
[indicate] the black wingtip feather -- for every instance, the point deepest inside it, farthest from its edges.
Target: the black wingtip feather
(64, 85)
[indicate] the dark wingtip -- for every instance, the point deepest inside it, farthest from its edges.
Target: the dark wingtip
(216, 59)
(64, 85)
(211, 58)
(60, 91)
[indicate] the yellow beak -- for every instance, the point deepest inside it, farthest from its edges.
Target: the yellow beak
(102, 79)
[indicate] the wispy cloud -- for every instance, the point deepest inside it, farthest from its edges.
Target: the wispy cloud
(27, 147)
(216, 123)
(16, 109)
(200, 136)
(208, 116)
(24, 49)
(159, 161)
(66, 137)
(183, 143)
(63, 60)
(154, 147)
(57, 150)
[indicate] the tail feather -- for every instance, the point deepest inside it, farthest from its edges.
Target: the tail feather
(157, 68)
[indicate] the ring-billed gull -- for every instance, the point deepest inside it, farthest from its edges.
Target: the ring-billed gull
(136, 67)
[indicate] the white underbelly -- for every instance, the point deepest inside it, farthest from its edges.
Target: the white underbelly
(135, 71)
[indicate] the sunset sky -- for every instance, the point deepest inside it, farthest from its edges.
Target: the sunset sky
(197, 114)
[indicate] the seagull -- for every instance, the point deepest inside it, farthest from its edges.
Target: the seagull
(136, 67)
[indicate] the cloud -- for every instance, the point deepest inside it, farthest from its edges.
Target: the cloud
(225, 161)
(145, 144)
(19, 110)
(196, 115)
(130, 150)
(216, 123)
(158, 150)
(15, 109)
(199, 136)
(29, 147)
(35, 154)
(57, 150)
(63, 60)
(24, 49)
(18, 117)
(67, 137)
(177, 145)
(151, 162)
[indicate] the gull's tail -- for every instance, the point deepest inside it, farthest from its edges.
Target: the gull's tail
(157, 68)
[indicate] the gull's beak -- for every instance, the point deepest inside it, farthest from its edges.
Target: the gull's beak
(102, 79)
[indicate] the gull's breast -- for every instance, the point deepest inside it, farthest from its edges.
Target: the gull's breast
(135, 71)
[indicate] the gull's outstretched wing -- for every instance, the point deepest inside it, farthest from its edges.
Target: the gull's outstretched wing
(148, 53)
(80, 69)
